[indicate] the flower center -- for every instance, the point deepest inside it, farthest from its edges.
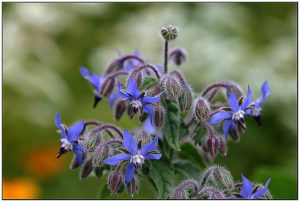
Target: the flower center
(255, 112)
(136, 104)
(138, 159)
(238, 115)
(66, 144)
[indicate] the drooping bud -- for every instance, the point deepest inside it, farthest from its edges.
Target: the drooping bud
(158, 116)
(172, 88)
(115, 182)
(236, 90)
(223, 178)
(202, 109)
(143, 136)
(137, 76)
(120, 109)
(212, 143)
(217, 195)
(114, 66)
(86, 168)
(179, 193)
(185, 99)
(143, 117)
(222, 146)
(178, 55)
(206, 175)
(234, 135)
(107, 86)
(132, 186)
(169, 32)
(100, 154)
(91, 140)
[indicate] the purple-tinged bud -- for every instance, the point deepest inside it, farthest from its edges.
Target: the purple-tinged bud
(178, 55)
(185, 99)
(212, 143)
(143, 117)
(137, 76)
(115, 182)
(217, 195)
(90, 140)
(107, 86)
(86, 168)
(234, 135)
(100, 154)
(120, 109)
(172, 88)
(169, 32)
(114, 66)
(133, 186)
(202, 109)
(142, 135)
(236, 90)
(179, 193)
(222, 178)
(222, 146)
(158, 116)
(206, 175)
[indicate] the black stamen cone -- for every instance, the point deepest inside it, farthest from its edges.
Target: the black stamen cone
(60, 152)
(258, 120)
(97, 99)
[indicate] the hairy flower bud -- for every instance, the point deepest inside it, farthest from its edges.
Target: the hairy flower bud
(178, 55)
(107, 86)
(143, 117)
(169, 32)
(137, 76)
(185, 99)
(217, 195)
(179, 193)
(114, 66)
(234, 135)
(222, 178)
(133, 186)
(212, 143)
(86, 168)
(115, 182)
(172, 88)
(202, 109)
(120, 109)
(142, 135)
(236, 90)
(90, 140)
(100, 154)
(158, 116)
(222, 146)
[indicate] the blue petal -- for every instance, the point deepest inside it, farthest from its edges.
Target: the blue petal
(129, 143)
(147, 99)
(261, 191)
(74, 131)
(132, 89)
(152, 156)
(149, 127)
(147, 108)
(78, 147)
(247, 188)
(247, 100)
(95, 81)
(78, 154)
(116, 159)
(84, 72)
(121, 93)
(159, 68)
(233, 102)
(149, 147)
(265, 89)
(129, 173)
(215, 119)
(226, 127)
(113, 98)
(58, 124)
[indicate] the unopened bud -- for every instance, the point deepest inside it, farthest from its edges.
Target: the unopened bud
(132, 186)
(120, 109)
(137, 76)
(169, 32)
(114, 66)
(172, 88)
(222, 178)
(86, 168)
(234, 135)
(178, 56)
(202, 109)
(107, 86)
(158, 116)
(236, 90)
(115, 182)
(179, 193)
(143, 117)
(222, 146)
(217, 195)
(142, 135)
(100, 154)
(212, 143)
(91, 140)
(185, 99)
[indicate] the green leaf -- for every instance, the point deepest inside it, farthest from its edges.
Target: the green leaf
(183, 129)
(189, 152)
(99, 170)
(171, 124)
(187, 169)
(105, 192)
(162, 174)
(148, 83)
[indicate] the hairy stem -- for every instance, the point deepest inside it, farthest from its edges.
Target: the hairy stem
(215, 85)
(212, 95)
(111, 126)
(149, 66)
(127, 57)
(113, 141)
(179, 76)
(166, 56)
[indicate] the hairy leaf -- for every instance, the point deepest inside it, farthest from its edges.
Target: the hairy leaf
(187, 169)
(189, 152)
(148, 83)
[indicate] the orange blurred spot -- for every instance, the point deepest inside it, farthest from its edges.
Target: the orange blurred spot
(42, 162)
(21, 188)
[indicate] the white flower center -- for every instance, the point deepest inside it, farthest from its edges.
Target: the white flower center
(66, 144)
(238, 115)
(137, 159)
(256, 112)
(136, 103)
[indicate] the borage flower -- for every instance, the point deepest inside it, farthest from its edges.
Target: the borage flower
(247, 190)
(135, 154)
(235, 114)
(69, 139)
(138, 100)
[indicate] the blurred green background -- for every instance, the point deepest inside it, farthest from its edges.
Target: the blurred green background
(45, 43)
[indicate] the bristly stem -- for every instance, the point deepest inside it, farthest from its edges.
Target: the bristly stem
(153, 68)
(179, 75)
(210, 129)
(215, 85)
(113, 141)
(212, 95)
(190, 182)
(111, 126)
(119, 73)
(166, 56)
(127, 57)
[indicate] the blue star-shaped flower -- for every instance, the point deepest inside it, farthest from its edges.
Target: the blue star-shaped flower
(135, 156)
(235, 115)
(247, 190)
(69, 139)
(138, 100)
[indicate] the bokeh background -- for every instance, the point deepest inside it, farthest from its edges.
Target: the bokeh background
(45, 43)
